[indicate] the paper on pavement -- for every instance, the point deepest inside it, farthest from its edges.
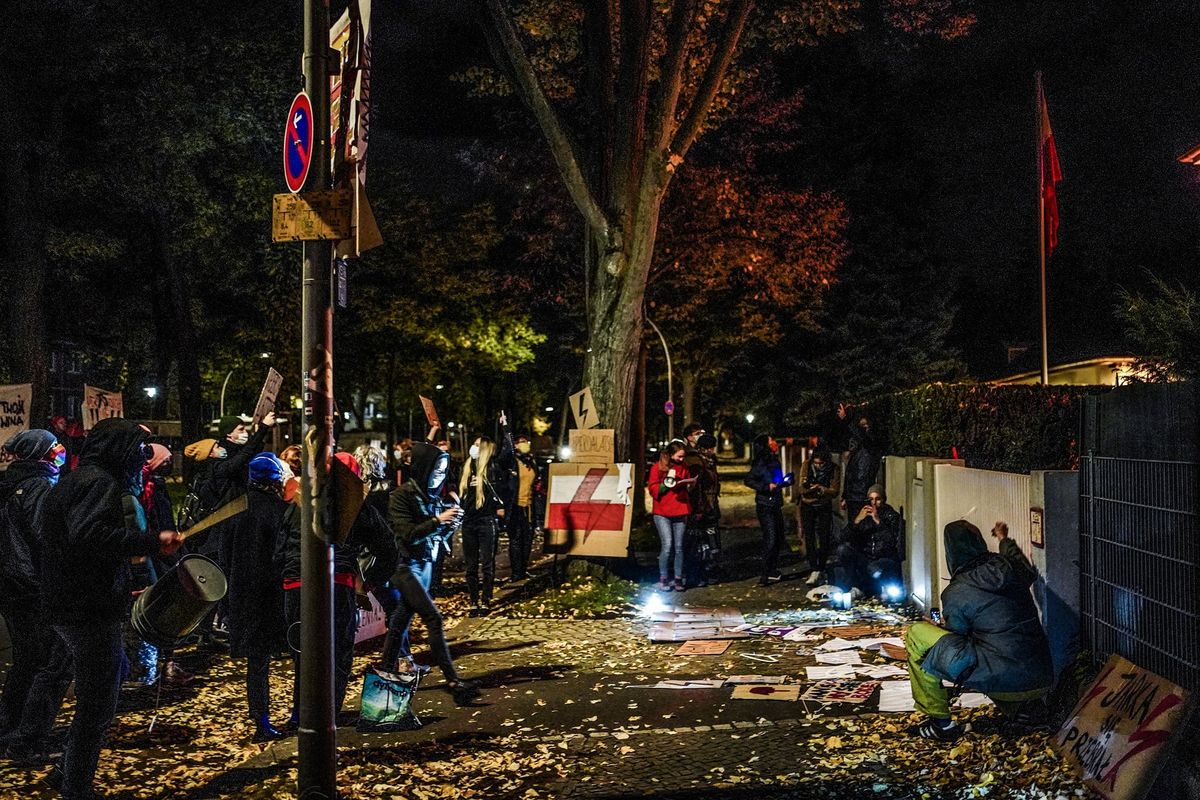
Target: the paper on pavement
(837, 643)
(839, 657)
(882, 671)
(896, 696)
(972, 700)
(828, 672)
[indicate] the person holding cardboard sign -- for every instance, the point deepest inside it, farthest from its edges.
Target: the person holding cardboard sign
(670, 484)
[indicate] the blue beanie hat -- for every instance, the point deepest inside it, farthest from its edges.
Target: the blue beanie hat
(30, 445)
(266, 468)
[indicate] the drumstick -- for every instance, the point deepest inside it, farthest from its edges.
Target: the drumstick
(230, 509)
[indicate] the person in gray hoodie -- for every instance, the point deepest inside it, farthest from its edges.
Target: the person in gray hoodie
(990, 639)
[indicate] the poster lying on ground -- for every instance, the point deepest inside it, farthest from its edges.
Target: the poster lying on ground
(14, 415)
(1118, 733)
(100, 404)
(589, 509)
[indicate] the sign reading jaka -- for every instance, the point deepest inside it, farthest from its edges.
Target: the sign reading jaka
(100, 404)
(14, 415)
(1119, 730)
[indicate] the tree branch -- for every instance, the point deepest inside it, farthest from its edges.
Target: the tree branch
(670, 76)
(689, 129)
(505, 44)
(632, 95)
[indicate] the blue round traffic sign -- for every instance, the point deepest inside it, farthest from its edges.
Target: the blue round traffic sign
(298, 142)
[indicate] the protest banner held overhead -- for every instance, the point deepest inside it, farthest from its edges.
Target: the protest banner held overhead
(14, 414)
(100, 404)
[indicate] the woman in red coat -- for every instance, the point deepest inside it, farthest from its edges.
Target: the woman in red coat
(670, 484)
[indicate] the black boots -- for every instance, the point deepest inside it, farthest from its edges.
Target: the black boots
(264, 731)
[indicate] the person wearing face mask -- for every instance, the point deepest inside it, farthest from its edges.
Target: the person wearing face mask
(93, 523)
(255, 594)
(520, 523)
(482, 488)
(422, 523)
(670, 484)
(41, 664)
(767, 480)
(401, 460)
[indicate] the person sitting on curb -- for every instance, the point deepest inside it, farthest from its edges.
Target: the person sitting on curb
(990, 639)
(869, 555)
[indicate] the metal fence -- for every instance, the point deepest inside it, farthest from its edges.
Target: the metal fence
(1141, 563)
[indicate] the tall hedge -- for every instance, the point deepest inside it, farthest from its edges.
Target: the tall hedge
(1009, 428)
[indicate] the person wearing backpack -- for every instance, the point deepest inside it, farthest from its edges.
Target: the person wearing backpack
(422, 522)
(92, 525)
(41, 664)
(483, 488)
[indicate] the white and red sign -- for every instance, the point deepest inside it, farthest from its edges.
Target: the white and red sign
(14, 415)
(590, 507)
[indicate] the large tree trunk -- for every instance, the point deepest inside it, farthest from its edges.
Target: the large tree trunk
(689, 378)
(639, 440)
(23, 256)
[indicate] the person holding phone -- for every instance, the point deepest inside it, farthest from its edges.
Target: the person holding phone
(670, 483)
(869, 555)
(767, 480)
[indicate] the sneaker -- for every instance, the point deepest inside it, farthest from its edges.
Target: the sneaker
(463, 691)
(485, 609)
(175, 675)
(814, 578)
(940, 730)
(774, 577)
(475, 612)
(664, 585)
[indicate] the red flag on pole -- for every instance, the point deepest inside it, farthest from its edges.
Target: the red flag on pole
(1051, 174)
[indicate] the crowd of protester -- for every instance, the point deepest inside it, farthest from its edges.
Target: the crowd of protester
(85, 529)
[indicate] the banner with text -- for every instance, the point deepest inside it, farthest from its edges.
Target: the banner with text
(100, 404)
(14, 415)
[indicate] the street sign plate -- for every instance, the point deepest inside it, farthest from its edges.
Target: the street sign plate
(312, 216)
(298, 142)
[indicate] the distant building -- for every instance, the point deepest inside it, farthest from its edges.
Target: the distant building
(1099, 371)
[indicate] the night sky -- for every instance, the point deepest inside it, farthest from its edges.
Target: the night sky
(1123, 87)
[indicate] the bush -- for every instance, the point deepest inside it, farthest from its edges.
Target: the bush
(1009, 428)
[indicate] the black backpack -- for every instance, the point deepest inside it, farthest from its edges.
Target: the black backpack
(18, 567)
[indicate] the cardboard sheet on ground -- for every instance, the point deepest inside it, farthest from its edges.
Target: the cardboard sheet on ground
(896, 697)
(841, 691)
(825, 672)
(839, 657)
(698, 683)
(589, 509)
(850, 631)
(1118, 733)
(745, 680)
(688, 631)
(704, 647)
(875, 644)
(972, 700)
(776, 692)
(836, 644)
(894, 652)
(683, 623)
(727, 616)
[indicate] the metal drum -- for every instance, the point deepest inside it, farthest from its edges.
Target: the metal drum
(173, 607)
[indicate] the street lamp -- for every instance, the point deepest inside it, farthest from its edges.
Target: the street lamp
(151, 391)
(439, 387)
(750, 418)
(670, 392)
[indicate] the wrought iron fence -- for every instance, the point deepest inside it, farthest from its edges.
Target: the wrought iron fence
(1141, 563)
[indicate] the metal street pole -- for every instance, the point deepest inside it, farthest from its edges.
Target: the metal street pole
(1042, 234)
(317, 734)
(223, 385)
(670, 389)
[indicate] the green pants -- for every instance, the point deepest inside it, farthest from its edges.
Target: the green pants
(929, 694)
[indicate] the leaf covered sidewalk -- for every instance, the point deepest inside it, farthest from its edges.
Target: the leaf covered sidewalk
(566, 712)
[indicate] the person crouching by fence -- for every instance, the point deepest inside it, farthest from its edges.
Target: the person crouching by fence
(990, 639)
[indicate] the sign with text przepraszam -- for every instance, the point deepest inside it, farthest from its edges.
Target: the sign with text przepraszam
(298, 142)
(100, 404)
(14, 415)
(1118, 733)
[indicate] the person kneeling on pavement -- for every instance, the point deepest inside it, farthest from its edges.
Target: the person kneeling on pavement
(869, 555)
(990, 639)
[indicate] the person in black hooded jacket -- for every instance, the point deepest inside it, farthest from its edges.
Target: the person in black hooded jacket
(93, 524)
(767, 480)
(865, 453)
(41, 665)
(991, 639)
(422, 524)
(255, 594)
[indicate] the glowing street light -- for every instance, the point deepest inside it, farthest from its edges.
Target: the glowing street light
(750, 418)
(151, 392)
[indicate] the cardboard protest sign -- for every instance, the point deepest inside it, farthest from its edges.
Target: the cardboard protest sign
(1118, 733)
(703, 647)
(268, 395)
(371, 624)
(589, 509)
(14, 415)
(594, 446)
(841, 690)
(100, 404)
(583, 409)
(431, 415)
(785, 692)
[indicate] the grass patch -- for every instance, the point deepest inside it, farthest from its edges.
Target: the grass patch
(580, 597)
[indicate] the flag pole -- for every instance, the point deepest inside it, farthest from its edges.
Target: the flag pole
(1041, 168)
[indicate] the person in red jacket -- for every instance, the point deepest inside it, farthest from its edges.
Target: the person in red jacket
(670, 483)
